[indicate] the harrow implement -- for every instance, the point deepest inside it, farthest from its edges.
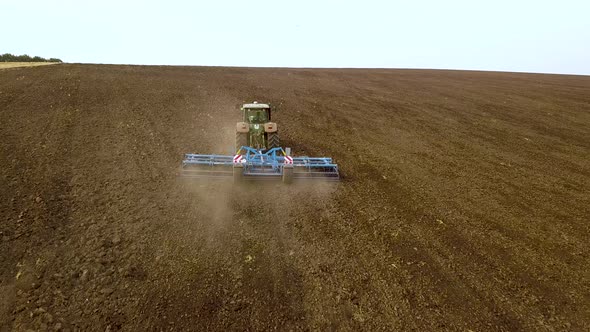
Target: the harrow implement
(252, 164)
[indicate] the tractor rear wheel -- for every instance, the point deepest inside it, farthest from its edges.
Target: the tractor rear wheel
(273, 140)
(241, 140)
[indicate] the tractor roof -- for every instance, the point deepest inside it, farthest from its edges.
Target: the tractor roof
(255, 105)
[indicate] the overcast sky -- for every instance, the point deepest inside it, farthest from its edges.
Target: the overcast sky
(530, 36)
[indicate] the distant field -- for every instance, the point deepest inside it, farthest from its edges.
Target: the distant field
(464, 203)
(4, 65)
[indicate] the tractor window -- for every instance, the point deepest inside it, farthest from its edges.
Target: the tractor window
(257, 115)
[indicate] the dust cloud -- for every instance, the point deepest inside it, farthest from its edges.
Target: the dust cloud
(220, 207)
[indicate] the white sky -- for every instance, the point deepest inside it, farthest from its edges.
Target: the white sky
(531, 36)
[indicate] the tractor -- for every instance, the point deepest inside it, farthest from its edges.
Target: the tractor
(256, 130)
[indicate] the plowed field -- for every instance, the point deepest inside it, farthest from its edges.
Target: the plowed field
(464, 203)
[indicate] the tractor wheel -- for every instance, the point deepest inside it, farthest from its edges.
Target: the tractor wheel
(273, 140)
(241, 140)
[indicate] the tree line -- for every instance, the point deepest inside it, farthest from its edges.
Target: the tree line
(7, 57)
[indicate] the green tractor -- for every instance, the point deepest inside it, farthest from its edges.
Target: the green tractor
(256, 130)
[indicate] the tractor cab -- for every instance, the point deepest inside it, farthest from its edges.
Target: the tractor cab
(256, 113)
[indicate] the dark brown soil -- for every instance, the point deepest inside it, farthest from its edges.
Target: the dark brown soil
(464, 204)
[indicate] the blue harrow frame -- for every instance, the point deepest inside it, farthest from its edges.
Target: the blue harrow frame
(252, 164)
